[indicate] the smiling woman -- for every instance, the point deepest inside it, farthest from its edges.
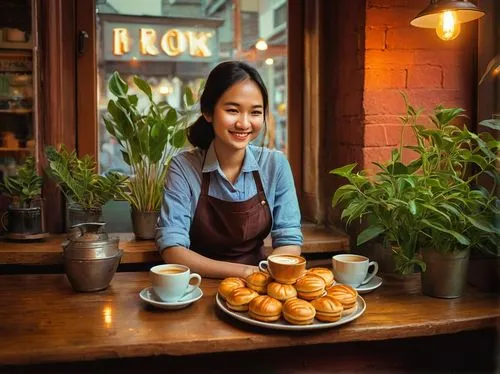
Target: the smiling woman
(239, 193)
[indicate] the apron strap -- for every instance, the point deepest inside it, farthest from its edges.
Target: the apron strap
(258, 181)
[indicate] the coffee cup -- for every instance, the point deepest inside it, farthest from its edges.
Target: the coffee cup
(171, 282)
(284, 268)
(353, 269)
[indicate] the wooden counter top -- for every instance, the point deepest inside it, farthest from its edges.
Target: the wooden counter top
(48, 251)
(43, 320)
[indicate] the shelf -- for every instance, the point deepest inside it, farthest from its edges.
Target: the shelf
(16, 111)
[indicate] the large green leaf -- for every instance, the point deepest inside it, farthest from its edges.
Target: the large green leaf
(344, 171)
(117, 85)
(143, 86)
(341, 191)
(370, 233)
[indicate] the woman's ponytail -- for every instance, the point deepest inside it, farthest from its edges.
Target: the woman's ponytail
(201, 133)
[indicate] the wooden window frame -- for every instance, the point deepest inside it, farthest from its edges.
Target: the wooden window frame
(87, 121)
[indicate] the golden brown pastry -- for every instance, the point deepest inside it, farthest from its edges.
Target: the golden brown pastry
(239, 299)
(298, 312)
(227, 285)
(281, 292)
(328, 309)
(265, 308)
(324, 273)
(258, 281)
(346, 295)
(310, 287)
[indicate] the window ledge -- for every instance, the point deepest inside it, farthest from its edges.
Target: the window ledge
(317, 240)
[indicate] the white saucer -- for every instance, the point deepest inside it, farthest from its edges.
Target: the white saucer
(148, 296)
(373, 284)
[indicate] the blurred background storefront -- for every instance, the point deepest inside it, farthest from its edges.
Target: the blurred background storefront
(175, 43)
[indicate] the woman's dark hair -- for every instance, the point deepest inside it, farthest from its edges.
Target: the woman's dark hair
(223, 76)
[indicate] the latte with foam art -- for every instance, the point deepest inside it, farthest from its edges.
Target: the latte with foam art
(286, 260)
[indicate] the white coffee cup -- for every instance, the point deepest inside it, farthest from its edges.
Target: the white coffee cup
(353, 269)
(171, 282)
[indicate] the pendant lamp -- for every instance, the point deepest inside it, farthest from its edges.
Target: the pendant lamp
(446, 16)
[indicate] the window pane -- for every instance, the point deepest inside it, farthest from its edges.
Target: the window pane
(175, 43)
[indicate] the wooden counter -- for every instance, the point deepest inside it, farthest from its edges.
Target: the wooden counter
(43, 320)
(48, 251)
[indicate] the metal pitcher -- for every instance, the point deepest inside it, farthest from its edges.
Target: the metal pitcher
(90, 256)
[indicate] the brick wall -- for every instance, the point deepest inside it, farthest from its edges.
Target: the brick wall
(373, 54)
(400, 57)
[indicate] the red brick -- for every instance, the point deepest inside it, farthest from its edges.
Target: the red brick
(388, 58)
(386, 101)
(439, 57)
(375, 136)
(390, 17)
(374, 38)
(456, 78)
(430, 98)
(425, 76)
(385, 78)
(416, 38)
(380, 119)
(393, 135)
(375, 154)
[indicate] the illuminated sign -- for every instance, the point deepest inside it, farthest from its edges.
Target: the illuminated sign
(125, 42)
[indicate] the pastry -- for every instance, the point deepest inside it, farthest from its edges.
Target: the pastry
(281, 292)
(346, 295)
(310, 287)
(298, 312)
(239, 299)
(228, 285)
(324, 273)
(328, 309)
(264, 308)
(258, 281)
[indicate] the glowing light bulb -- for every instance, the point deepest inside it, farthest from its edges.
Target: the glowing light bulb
(261, 45)
(448, 27)
(269, 61)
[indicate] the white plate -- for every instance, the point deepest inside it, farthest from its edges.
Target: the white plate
(373, 284)
(281, 324)
(148, 296)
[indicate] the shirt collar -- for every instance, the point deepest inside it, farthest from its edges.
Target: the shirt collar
(211, 162)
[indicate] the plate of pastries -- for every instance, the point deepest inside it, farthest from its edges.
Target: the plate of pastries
(314, 301)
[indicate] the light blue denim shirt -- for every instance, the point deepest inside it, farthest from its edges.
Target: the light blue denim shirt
(183, 187)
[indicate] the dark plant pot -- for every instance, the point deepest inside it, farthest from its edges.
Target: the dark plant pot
(144, 224)
(446, 273)
(76, 215)
(24, 220)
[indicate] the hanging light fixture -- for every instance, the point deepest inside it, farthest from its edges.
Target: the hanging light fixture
(446, 16)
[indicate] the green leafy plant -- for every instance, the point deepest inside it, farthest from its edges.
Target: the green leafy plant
(23, 187)
(148, 137)
(78, 179)
(434, 201)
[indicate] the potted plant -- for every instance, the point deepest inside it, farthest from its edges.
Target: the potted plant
(148, 136)
(85, 189)
(24, 218)
(431, 209)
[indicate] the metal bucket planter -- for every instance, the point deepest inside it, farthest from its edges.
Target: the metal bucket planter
(27, 221)
(77, 215)
(446, 273)
(144, 224)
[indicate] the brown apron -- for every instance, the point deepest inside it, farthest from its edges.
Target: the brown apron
(231, 231)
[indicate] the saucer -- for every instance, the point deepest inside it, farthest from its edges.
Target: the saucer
(148, 296)
(373, 284)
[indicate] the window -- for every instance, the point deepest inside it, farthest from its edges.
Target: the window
(173, 44)
(234, 27)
